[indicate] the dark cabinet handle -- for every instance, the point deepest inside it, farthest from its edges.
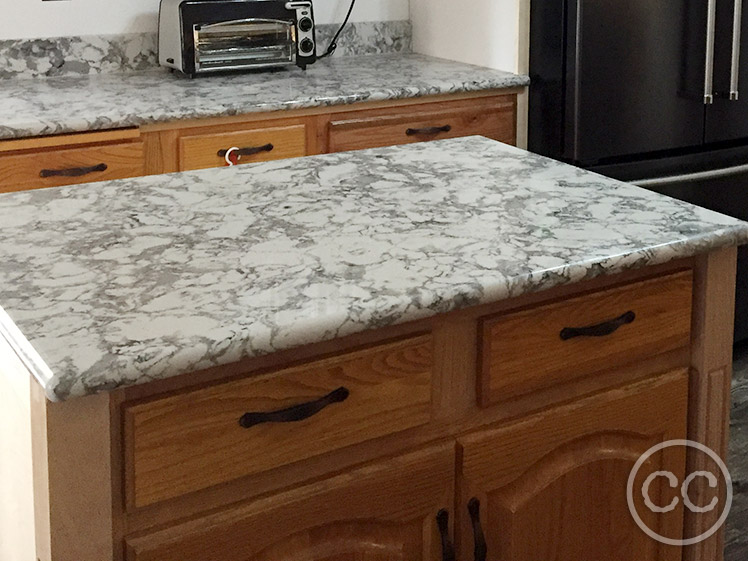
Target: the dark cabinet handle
(448, 549)
(599, 330)
(249, 150)
(428, 130)
(72, 172)
(481, 549)
(295, 413)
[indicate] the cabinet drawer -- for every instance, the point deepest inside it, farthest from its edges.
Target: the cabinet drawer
(494, 118)
(383, 511)
(536, 348)
(186, 442)
(51, 168)
(272, 143)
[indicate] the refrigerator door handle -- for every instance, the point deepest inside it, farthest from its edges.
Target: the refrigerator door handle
(737, 24)
(711, 19)
(690, 177)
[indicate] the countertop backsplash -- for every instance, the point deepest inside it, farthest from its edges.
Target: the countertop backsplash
(132, 52)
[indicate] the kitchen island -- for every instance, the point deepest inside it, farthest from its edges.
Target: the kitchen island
(234, 364)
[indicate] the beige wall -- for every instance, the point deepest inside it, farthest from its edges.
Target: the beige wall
(17, 541)
(23, 19)
(491, 33)
(483, 32)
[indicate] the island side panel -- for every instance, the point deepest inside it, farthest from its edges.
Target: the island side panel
(711, 374)
(73, 485)
(17, 529)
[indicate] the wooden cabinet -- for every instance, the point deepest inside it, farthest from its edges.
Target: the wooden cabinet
(193, 440)
(557, 343)
(553, 486)
(166, 471)
(74, 159)
(382, 512)
(493, 117)
(253, 144)
(201, 143)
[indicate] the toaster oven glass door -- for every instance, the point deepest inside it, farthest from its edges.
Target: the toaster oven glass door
(245, 43)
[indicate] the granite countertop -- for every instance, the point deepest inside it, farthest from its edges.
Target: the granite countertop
(65, 104)
(118, 283)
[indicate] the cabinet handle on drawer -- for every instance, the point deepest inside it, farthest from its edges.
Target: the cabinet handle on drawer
(442, 521)
(481, 549)
(428, 130)
(599, 330)
(72, 172)
(248, 151)
(295, 413)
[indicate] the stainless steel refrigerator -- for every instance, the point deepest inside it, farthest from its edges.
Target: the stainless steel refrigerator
(647, 91)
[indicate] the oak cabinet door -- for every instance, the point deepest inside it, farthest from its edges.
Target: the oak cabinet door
(380, 512)
(553, 486)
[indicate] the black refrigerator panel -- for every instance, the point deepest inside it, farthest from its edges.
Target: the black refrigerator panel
(634, 77)
(547, 67)
(727, 117)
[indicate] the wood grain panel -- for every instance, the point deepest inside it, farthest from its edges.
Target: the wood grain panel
(191, 441)
(381, 512)
(710, 399)
(523, 352)
(494, 118)
(201, 151)
(19, 172)
(553, 485)
(68, 140)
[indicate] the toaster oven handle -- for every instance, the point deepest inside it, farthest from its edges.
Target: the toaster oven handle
(248, 151)
(428, 130)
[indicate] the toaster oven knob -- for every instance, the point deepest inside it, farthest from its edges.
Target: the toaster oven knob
(305, 24)
(306, 46)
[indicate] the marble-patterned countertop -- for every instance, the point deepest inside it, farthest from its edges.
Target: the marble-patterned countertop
(46, 106)
(118, 283)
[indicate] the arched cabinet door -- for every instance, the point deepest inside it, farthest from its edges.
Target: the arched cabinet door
(552, 487)
(385, 511)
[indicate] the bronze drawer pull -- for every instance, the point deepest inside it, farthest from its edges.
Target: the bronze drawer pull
(599, 330)
(248, 151)
(448, 549)
(72, 172)
(481, 549)
(428, 130)
(296, 412)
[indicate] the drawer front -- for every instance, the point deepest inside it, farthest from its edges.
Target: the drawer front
(274, 143)
(191, 441)
(537, 348)
(52, 168)
(494, 119)
(384, 511)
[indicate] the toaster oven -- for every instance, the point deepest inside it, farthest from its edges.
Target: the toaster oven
(203, 36)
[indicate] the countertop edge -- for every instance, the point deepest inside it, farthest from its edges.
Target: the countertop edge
(532, 283)
(43, 128)
(30, 358)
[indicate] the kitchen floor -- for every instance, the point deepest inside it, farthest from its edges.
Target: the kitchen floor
(737, 523)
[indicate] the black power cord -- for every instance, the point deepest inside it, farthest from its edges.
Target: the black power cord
(334, 43)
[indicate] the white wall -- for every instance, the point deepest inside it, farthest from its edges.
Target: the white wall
(34, 18)
(482, 32)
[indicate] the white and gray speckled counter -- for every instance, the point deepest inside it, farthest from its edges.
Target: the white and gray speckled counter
(112, 284)
(65, 104)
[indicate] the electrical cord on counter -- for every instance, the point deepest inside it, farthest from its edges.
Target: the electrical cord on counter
(334, 43)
